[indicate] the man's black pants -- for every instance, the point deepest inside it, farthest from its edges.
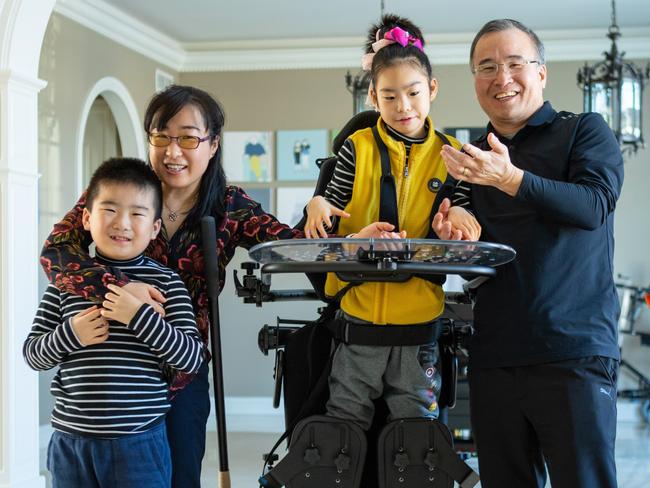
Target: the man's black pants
(561, 414)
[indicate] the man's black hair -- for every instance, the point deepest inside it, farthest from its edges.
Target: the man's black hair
(500, 25)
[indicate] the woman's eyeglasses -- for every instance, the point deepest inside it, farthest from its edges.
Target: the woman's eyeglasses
(185, 142)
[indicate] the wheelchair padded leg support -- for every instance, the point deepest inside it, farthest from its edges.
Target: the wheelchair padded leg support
(419, 453)
(324, 452)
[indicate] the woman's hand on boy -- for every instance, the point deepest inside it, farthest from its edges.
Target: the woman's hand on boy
(147, 294)
(90, 327)
(120, 305)
(319, 216)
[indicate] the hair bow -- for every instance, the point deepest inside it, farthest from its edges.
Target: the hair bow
(403, 38)
(395, 35)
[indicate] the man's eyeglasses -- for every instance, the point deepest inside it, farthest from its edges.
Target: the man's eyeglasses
(515, 65)
(184, 142)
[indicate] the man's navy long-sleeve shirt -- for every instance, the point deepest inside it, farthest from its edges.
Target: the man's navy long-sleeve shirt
(557, 300)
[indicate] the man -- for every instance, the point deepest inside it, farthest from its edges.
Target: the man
(544, 358)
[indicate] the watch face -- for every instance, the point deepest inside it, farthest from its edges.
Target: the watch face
(434, 185)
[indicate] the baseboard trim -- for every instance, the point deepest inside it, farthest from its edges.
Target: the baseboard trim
(249, 414)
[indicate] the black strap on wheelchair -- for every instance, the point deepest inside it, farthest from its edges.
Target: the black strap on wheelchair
(387, 191)
(446, 191)
(384, 335)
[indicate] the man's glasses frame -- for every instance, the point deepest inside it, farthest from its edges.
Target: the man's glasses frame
(488, 71)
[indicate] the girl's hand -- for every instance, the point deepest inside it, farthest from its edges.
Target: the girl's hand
(319, 215)
(376, 230)
(380, 230)
(147, 294)
(441, 224)
(89, 326)
(465, 222)
(120, 305)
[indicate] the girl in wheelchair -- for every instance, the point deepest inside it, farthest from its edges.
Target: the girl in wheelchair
(402, 90)
(390, 173)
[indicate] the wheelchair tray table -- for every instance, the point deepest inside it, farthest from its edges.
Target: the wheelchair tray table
(381, 259)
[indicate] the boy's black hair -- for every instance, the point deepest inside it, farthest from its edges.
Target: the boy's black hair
(163, 107)
(395, 53)
(126, 171)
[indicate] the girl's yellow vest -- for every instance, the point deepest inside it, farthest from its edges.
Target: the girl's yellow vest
(415, 301)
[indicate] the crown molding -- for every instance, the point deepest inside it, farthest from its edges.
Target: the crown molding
(317, 53)
(442, 49)
(99, 16)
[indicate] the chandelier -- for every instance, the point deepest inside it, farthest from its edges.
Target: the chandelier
(358, 85)
(614, 88)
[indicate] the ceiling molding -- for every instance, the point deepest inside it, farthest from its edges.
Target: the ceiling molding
(285, 54)
(99, 16)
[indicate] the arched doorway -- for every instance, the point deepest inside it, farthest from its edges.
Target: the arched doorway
(101, 138)
(116, 103)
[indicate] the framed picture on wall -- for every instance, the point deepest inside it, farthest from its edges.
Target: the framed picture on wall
(465, 134)
(261, 196)
(248, 156)
(291, 202)
(297, 152)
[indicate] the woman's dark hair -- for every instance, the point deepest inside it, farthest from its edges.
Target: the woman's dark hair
(395, 53)
(499, 25)
(125, 171)
(163, 107)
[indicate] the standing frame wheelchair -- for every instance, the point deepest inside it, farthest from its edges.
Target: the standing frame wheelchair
(325, 451)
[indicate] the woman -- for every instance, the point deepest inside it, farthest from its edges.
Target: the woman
(184, 127)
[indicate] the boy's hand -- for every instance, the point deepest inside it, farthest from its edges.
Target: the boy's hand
(464, 221)
(319, 215)
(90, 327)
(147, 294)
(120, 305)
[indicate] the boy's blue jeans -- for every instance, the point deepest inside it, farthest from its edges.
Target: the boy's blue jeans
(135, 461)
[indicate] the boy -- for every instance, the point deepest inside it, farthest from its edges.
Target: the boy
(110, 390)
